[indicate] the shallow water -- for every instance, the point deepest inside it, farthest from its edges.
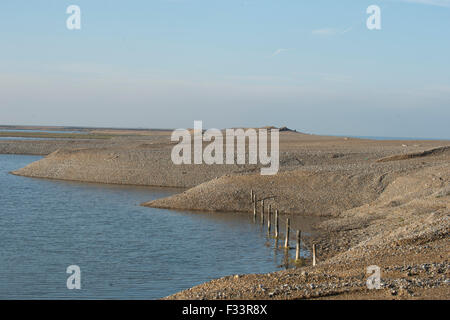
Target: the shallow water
(34, 138)
(124, 251)
(41, 131)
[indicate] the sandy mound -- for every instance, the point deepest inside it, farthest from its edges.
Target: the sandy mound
(137, 164)
(298, 191)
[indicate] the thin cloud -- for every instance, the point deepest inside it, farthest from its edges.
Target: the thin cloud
(325, 32)
(347, 30)
(330, 31)
(278, 51)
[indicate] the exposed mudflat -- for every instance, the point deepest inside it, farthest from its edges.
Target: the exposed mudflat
(387, 203)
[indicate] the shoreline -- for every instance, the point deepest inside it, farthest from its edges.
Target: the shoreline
(387, 203)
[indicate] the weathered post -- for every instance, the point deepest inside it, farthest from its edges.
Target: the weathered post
(276, 224)
(314, 254)
(251, 195)
(286, 242)
(269, 219)
(262, 212)
(297, 251)
(254, 210)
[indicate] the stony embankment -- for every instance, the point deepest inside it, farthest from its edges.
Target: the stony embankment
(324, 189)
(293, 192)
(135, 164)
(405, 232)
(318, 175)
(31, 143)
(45, 147)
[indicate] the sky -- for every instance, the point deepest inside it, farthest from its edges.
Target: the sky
(313, 66)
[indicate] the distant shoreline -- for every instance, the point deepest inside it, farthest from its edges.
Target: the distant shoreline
(396, 138)
(80, 129)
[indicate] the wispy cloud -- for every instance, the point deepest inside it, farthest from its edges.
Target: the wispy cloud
(325, 32)
(330, 31)
(347, 30)
(439, 3)
(278, 51)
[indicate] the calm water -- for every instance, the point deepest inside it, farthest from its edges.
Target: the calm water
(34, 138)
(124, 250)
(44, 131)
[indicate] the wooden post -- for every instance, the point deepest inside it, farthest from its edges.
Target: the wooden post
(286, 242)
(276, 224)
(254, 210)
(297, 251)
(262, 212)
(269, 219)
(314, 254)
(251, 195)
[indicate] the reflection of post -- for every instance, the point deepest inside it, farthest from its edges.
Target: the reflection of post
(276, 224)
(269, 219)
(286, 242)
(286, 259)
(314, 254)
(275, 250)
(254, 210)
(262, 212)
(297, 252)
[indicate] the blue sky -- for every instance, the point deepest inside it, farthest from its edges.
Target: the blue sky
(308, 65)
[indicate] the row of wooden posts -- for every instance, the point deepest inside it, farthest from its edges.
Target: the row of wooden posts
(276, 227)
